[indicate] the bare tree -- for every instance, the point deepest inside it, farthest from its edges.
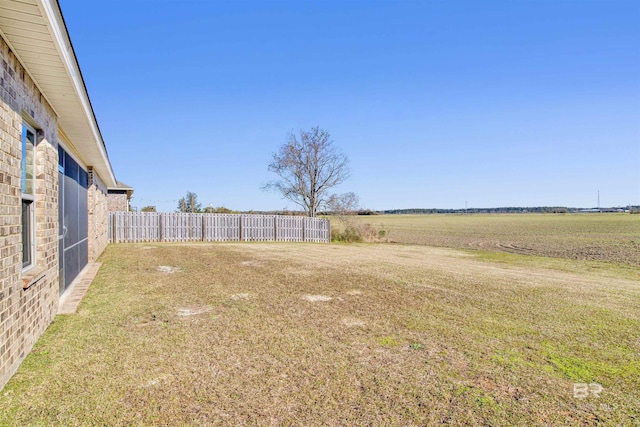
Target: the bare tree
(344, 207)
(308, 165)
(343, 204)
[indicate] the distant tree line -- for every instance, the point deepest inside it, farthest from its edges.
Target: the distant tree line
(364, 212)
(346, 204)
(189, 204)
(536, 209)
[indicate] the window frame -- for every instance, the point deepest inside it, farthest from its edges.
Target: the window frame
(28, 198)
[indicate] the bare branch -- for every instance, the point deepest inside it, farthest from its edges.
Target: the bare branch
(308, 164)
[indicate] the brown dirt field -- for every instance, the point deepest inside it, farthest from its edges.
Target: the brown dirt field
(591, 237)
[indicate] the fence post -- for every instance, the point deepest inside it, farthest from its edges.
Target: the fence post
(113, 228)
(125, 221)
(275, 228)
(240, 228)
(303, 221)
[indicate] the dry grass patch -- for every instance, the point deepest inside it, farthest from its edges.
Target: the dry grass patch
(412, 336)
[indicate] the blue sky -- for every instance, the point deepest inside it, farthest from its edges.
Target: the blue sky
(436, 103)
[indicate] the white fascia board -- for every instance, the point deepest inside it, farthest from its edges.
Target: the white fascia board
(62, 42)
(35, 82)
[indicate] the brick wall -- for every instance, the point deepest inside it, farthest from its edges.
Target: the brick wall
(118, 201)
(98, 216)
(25, 313)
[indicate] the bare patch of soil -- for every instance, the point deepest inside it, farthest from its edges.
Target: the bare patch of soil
(186, 312)
(253, 263)
(317, 298)
(351, 322)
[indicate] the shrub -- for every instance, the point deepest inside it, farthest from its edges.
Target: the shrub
(355, 232)
(348, 235)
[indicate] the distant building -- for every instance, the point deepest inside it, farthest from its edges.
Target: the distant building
(119, 197)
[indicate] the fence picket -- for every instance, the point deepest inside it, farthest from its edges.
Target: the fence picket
(136, 227)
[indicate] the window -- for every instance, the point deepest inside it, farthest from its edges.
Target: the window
(28, 167)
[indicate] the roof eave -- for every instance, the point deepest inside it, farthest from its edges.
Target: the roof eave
(60, 36)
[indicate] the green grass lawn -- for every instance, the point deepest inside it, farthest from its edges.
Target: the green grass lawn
(303, 334)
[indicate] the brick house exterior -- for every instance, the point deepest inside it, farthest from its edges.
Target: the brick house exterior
(118, 201)
(98, 215)
(54, 174)
(119, 197)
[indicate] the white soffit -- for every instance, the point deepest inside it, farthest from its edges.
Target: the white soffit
(37, 35)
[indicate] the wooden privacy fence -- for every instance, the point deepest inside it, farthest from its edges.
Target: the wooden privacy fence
(133, 227)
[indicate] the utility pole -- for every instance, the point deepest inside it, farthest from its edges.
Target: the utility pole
(598, 200)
